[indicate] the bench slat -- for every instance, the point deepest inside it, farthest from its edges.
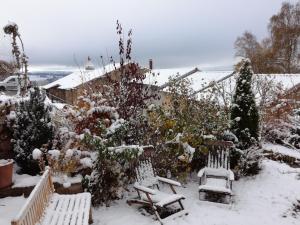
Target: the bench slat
(64, 210)
(87, 209)
(75, 211)
(80, 211)
(53, 203)
(70, 209)
(56, 212)
(59, 211)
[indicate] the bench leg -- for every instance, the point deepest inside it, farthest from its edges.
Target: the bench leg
(157, 216)
(90, 216)
(202, 195)
(181, 205)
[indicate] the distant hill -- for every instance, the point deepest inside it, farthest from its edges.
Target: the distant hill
(45, 77)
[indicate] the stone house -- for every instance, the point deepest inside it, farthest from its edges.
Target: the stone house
(69, 88)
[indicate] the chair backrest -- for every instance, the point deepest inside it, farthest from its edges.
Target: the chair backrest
(145, 174)
(37, 201)
(219, 154)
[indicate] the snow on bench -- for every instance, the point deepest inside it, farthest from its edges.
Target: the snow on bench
(44, 207)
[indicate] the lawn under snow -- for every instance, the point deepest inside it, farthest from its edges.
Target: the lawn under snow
(263, 199)
(283, 150)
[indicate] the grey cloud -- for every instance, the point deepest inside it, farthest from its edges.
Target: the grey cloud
(172, 32)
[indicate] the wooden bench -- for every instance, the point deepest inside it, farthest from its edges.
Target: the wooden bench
(44, 207)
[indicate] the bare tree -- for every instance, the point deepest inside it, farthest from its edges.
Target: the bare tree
(278, 53)
(285, 32)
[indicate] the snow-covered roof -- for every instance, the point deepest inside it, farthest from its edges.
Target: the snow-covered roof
(161, 76)
(202, 78)
(80, 77)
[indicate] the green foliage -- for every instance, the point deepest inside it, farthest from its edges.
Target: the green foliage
(112, 171)
(178, 129)
(167, 159)
(244, 113)
(32, 129)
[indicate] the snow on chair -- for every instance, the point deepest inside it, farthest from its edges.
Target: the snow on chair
(216, 178)
(44, 207)
(149, 193)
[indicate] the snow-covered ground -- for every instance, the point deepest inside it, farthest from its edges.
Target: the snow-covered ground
(283, 150)
(9, 207)
(26, 180)
(263, 199)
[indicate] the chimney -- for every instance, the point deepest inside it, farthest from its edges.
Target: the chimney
(89, 65)
(150, 64)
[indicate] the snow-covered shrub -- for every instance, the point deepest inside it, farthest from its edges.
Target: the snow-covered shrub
(128, 94)
(250, 161)
(99, 130)
(244, 113)
(7, 118)
(32, 129)
(184, 121)
(172, 159)
(284, 130)
(63, 162)
(112, 171)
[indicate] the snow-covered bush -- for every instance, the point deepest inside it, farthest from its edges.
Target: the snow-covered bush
(112, 171)
(171, 159)
(99, 130)
(244, 113)
(250, 161)
(32, 129)
(184, 121)
(64, 162)
(284, 130)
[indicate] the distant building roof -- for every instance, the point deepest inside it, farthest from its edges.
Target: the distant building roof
(202, 78)
(80, 77)
(199, 78)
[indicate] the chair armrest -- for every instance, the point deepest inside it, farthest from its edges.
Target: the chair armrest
(201, 172)
(168, 181)
(231, 175)
(144, 189)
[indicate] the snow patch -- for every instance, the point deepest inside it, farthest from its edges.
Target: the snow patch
(37, 154)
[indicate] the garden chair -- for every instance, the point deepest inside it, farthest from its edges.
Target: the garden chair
(216, 178)
(150, 194)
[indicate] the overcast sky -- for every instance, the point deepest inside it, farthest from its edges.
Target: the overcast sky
(174, 33)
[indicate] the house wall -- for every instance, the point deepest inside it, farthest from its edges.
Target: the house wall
(70, 96)
(56, 94)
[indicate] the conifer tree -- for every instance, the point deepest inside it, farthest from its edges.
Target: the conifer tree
(32, 129)
(244, 113)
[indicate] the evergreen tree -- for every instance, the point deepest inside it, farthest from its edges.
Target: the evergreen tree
(244, 113)
(32, 129)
